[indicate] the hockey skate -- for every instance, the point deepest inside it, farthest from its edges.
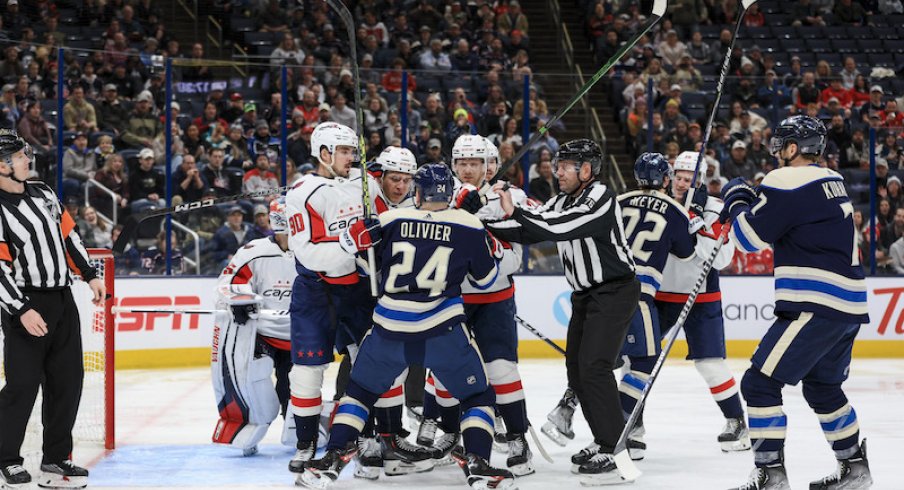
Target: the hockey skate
(249, 451)
(734, 436)
(584, 456)
(369, 458)
(63, 475)
(304, 452)
(320, 473)
(772, 477)
(852, 473)
(636, 446)
(601, 470)
(482, 476)
(443, 448)
(499, 442)
(400, 457)
(426, 433)
(519, 460)
(558, 425)
(14, 476)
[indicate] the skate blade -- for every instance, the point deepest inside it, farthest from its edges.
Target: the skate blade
(315, 481)
(444, 461)
(613, 478)
(637, 454)
(500, 447)
(399, 468)
(52, 480)
(249, 451)
(367, 472)
(731, 446)
(550, 431)
(523, 469)
(627, 470)
(504, 484)
(14, 486)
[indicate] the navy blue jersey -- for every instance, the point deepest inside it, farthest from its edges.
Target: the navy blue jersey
(805, 214)
(424, 257)
(656, 225)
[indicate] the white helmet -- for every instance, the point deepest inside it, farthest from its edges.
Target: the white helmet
(687, 160)
(492, 150)
(331, 135)
(395, 159)
(469, 146)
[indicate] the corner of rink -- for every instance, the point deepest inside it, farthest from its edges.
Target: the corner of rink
(165, 419)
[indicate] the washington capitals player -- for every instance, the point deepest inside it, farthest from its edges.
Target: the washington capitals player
(246, 348)
(703, 328)
(655, 225)
(425, 254)
(491, 311)
(803, 212)
(330, 306)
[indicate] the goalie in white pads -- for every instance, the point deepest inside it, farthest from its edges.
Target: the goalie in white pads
(246, 348)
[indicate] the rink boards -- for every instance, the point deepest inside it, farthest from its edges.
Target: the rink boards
(165, 340)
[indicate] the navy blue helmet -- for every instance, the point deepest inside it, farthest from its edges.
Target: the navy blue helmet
(434, 183)
(651, 169)
(809, 133)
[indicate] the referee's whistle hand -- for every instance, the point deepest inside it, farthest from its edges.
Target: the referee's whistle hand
(505, 197)
(34, 323)
(99, 290)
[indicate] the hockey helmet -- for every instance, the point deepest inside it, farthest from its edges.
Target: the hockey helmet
(279, 222)
(470, 146)
(395, 159)
(331, 135)
(807, 132)
(492, 150)
(580, 151)
(651, 170)
(10, 144)
(434, 183)
(687, 161)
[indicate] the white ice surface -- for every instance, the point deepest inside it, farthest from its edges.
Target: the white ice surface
(165, 419)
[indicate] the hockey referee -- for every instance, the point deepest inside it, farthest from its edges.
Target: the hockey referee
(40, 321)
(585, 221)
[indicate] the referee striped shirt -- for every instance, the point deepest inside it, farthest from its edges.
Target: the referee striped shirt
(38, 245)
(588, 232)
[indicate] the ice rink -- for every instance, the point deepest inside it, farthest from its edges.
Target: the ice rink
(165, 419)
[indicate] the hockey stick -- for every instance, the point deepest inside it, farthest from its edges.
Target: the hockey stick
(659, 7)
(531, 329)
(267, 314)
(349, 22)
(745, 4)
(130, 225)
(622, 458)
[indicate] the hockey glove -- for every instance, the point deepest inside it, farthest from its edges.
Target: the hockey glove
(362, 235)
(738, 197)
(698, 205)
(470, 200)
(242, 313)
(695, 225)
(496, 246)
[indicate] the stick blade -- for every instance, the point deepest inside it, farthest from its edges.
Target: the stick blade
(129, 227)
(625, 465)
(747, 3)
(659, 6)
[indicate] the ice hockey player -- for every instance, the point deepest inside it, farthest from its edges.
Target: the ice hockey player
(490, 311)
(704, 327)
(246, 347)
(585, 221)
(656, 225)
(425, 254)
(803, 212)
(330, 306)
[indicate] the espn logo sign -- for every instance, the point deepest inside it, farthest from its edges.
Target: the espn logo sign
(132, 322)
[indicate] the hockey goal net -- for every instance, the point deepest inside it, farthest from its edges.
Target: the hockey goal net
(94, 424)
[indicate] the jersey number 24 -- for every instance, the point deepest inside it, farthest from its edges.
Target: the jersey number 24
(431, 277)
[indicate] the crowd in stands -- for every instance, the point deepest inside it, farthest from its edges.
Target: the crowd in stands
(464, 63)
(831, 59)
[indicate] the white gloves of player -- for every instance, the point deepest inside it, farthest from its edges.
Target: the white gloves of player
(695, 225)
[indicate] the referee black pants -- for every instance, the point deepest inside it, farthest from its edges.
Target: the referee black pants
(52, 362)
(599, 323)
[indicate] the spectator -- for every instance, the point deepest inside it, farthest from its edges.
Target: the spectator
(856, 154)
(8, 107)
(543, 187)
(78, 113)
(805, 13)
(546, 140)
(718, 48)
(198, 70)
(435, 59)
(671, 50)
(112, 176)
(237, 148)
(759, 153)
(688, 14)
(143, 126)
(146, 184)
(513, 19)
(191, 142)
(112, 116)
(896, 254)
(849, 12)
(232, 235)
(836, 91)
(262, 143)
(208, 118)
(806, 92)
(686, 76)
(216, 176)
(434, 152)
(739, 165)
(375, 115)
(153, 260)
(287, 52)
(463, 59)
(36, 132)
(261, 227)
(79, 165)
(94, 232)
(392, 79)
(849, 73)
(426, 15)
(188, 184)
(893, 193)
(260, 178)
(894, 230)
(459, 126)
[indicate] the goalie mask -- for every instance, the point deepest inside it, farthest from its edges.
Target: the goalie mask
(279, 223)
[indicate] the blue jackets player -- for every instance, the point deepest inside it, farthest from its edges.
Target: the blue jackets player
(655, 226)
(820, 302)
(425, 254)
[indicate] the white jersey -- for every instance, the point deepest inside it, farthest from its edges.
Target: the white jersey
(679, 277)
(319, 210)
(383, 204)
(262, 269)
(504, 286)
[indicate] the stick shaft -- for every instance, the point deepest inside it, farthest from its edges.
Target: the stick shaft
(531, 329)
